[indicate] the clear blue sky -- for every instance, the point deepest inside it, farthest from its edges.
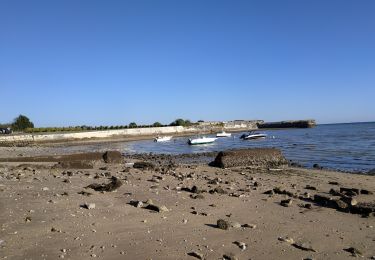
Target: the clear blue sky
(76, 62)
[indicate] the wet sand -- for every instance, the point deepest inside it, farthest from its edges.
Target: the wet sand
(43, 216)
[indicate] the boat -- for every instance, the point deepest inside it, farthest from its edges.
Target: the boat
(253, 135)
(201, 140)
(223, 134)
(162, 138)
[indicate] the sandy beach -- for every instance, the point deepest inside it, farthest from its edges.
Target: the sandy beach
(165, 209)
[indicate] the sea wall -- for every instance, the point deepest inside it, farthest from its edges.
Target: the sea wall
(25, 139)
(288, 124)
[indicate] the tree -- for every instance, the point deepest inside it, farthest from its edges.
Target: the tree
(132, 125)
(181, 122)
(22, 122)
(157, 124)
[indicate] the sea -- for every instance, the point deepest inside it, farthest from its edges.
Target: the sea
(348, 147)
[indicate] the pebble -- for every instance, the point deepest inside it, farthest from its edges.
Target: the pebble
(241, 245)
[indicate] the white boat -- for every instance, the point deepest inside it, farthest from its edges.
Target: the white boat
(253, 135)
(162, 138)
(223, 134)
(201, 140)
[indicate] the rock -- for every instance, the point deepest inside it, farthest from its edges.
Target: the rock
(85, 193)
(112, 157)
(286, 239)
(144, 165)
(308, 206)
(354, 251)
(196, 255)
(349, 191)
(218, 190)
(230, 257)
(323, 200)
(366, 192)
(304, 246)
(157, 208)
(263, 157)
(308, 187)
(196, 196)
(317, 166)
(45, 189)
(223, 224)
(350, 201)
(28, 219)
(366, 209)
(139, 204)
(253, 226)
(341, 205)
(112, 186)
(333, 183)
(371, 172)
(88, 205)
(286, 203)
(241, 245)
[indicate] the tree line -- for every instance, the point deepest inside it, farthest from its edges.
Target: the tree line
(23, 124)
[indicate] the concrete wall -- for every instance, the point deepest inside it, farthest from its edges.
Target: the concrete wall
(92, 134)
(25, 139)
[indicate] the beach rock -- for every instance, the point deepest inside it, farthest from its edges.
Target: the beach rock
(196, 255)
(218, 190)
(286, 203)
(157, 208)
(112, 157)
(349, 191)
(241, 245)
(112, 186)
(371, 172)
(365, 209)
(308, 187)
(262, 157)
(286, 239)
(333, 183)
(88, 206)
(223, 224)
(317, 166)
(366, 192)
(304, 246)
(144, 165)
(323, 200)
(230, 256)
(354, 251)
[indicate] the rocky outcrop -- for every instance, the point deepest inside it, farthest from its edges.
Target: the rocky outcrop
(260, 157)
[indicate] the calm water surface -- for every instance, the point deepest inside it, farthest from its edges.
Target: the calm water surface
(348, 147)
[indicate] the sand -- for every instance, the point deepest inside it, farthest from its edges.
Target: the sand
(43, 216)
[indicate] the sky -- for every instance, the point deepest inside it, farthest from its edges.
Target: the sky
(88, 62)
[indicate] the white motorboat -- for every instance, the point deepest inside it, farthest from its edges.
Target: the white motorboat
(162, 138)
(223, 134)
(201, 140)
(253, 135)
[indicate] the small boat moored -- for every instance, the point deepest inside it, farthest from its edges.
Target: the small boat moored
(223, 134)
(253, 135)
(162, 138)
(201, 140)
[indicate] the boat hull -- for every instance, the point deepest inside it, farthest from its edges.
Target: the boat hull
(201, 141)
